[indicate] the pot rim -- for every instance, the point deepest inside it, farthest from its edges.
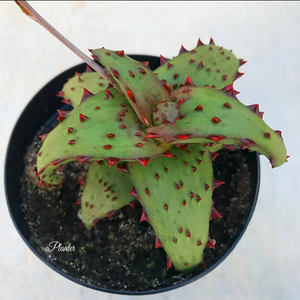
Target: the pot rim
(10, 202)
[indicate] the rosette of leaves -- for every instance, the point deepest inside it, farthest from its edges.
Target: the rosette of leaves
(151, 136)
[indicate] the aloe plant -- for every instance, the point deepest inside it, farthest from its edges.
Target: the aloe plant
(152, 136)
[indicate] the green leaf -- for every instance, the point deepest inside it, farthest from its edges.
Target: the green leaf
(106, 190)
(102, 127)
(205, 64)
(212, 116)
(176, 195)
(136, 81)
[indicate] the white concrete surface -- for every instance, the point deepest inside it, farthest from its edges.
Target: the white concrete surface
(265, 265)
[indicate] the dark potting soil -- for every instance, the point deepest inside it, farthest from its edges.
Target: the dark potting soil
(120, 253)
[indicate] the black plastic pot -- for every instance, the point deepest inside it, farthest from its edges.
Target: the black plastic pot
(43, 107)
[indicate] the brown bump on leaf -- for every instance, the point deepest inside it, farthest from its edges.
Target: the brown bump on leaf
(177, 186)
(82, 118)
(199, 108)
(215, 120)
(142, 71)
(268, 135)
(107, 147)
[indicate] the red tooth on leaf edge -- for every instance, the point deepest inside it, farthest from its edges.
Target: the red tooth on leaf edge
(158, 243)
(238, 75)
(168, 87)
(203, 265)
(183, 136)
(152, 135)
(43, 136)
(120, 53)
(78, 202)
(95, 222)
(88, 69)
(144, 217)
(163, 60)
(182, 50)
(214, 155)
(124, 168)
(254, 108)
(179, 102)
(82, 159)
(134, 193)
(206, 186)
(169, 263)
(199, 43)
(67, 101)
(112, 161)
(217, 183)
(216, 138)
(214, 213)
(242, 62)
(169, 154)
(210, 243)
(60, 94)
(82, 181)
(79, 78)
(145, 63)
(86, 94)
(143, 161)
(228, 89)
(110, 214)
(184, 147)
(62, 114)
(56, 162)
(277, 131)
(211, 41)
(132, 204)
(40, 172)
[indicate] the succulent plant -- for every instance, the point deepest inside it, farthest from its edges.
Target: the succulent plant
(153, 136)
